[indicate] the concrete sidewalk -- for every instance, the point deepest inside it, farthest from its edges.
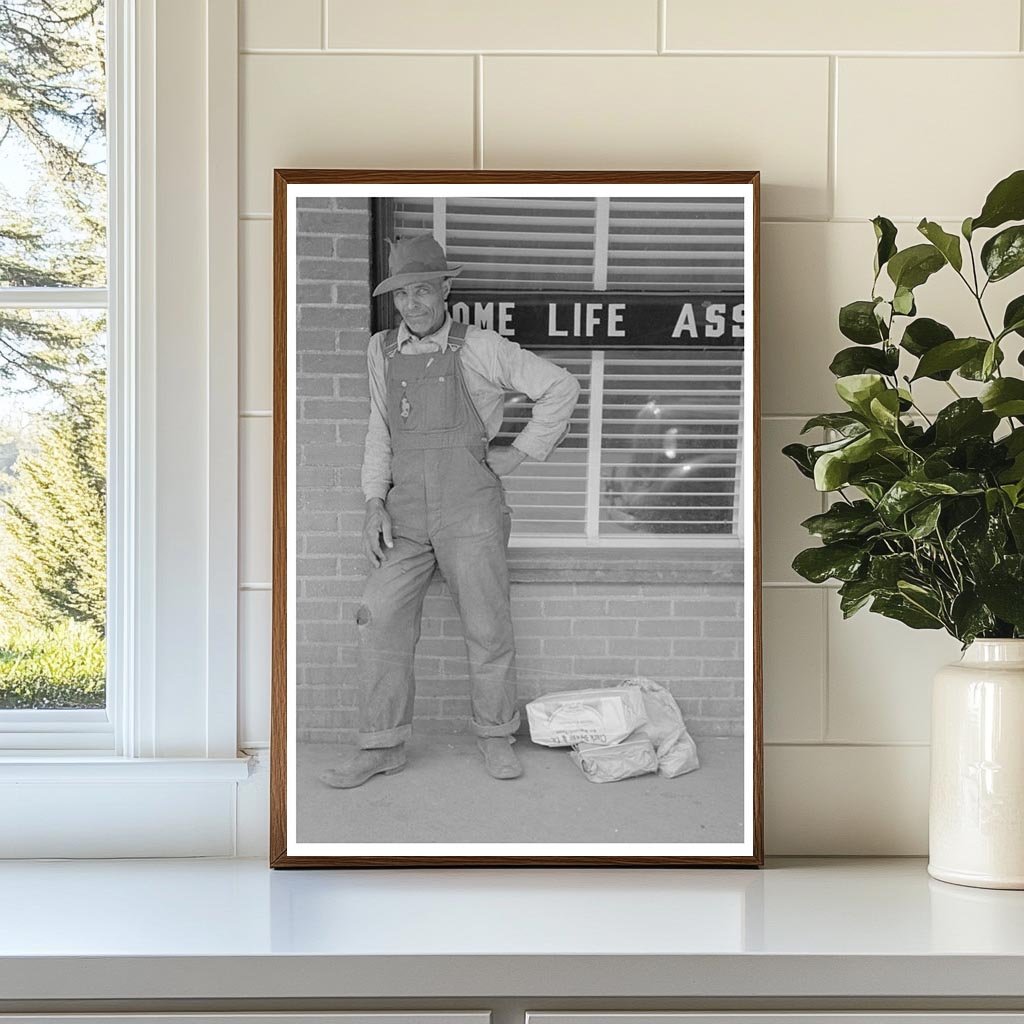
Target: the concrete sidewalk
(445, 796)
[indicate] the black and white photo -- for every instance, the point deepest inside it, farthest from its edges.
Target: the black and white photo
(515, 535)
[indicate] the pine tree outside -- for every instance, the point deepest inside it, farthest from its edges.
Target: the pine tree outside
(53, 201)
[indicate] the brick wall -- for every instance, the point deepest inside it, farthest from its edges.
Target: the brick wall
(568, 634)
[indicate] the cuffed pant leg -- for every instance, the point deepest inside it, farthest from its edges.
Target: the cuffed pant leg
(389, 626)
(476, 571)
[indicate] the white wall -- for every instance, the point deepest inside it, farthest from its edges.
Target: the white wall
(908, 110)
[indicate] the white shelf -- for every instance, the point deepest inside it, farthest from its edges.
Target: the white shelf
(232, 929)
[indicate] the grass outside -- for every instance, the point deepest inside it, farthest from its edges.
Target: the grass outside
(60, 667)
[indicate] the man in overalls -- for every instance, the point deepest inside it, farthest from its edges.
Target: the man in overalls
(434, 498)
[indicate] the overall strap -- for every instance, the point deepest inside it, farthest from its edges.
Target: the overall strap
(456, 335)
(389, 345)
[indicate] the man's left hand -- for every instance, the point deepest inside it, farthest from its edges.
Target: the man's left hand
(504, 460)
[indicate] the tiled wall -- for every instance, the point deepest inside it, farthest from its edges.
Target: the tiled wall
(912, 109)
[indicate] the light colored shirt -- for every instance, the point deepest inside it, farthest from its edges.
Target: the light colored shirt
(492, 365)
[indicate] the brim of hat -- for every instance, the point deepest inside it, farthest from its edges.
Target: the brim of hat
(389, 284)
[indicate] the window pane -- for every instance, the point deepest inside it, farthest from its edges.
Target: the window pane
(52, 144)
(670, 442)
(52, 509)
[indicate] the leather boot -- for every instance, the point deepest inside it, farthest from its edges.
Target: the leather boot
(355, 766)
(500, 759)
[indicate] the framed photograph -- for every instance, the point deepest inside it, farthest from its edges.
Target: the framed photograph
(516, 547)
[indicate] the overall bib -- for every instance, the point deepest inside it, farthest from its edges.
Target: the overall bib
(447, 509)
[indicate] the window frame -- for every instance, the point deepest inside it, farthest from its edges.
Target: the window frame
(172, 513)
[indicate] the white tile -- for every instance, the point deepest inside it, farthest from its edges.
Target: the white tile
(471, 25)
(351, 111)
(880, 676)
(254, 624)
(270, 24)
(787, 499)
(255, 509)
(679, 113)
(962, 131)
(806, 276)
(846, 801)
(810, 271)
(868, 25)
(256, 304)
(793, 633)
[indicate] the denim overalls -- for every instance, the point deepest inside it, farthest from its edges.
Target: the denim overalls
(447, 509)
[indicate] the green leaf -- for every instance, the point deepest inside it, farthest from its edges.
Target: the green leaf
(872, 491)
(858, 389)
(1005, 597)
(899, 608)
(1013, 317)
(887, 570)
(964, 482)
(923, 335)
(841, 421)
(1004, 397)
(947, 244)
(799, 455)
(864, 447)
(994, 499)
(1005, 202)
(974, 368)
(966, 417)
(1015, 519)
(818, 450)
(831, 471)
(850, 361)
(970, 617)
(857, 321)
(913, 266)
(854, 595)
(885, 236)
(885, 409)
(903, 302)
(1003, 254)
(925, 518)
(950, 355)
(843, 521)
(965, 229)
(990, 360)
(840, 561)
(904, 495)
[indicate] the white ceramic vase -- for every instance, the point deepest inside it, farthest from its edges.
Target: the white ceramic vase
(976, 812)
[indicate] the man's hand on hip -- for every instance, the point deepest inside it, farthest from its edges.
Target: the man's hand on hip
(376, 532)
(504, 460)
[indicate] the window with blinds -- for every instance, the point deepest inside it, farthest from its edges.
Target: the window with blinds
(654, 451)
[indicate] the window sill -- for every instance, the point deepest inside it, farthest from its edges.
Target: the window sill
(74, 766)
(636, 565)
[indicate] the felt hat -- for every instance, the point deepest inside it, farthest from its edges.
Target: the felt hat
(419, 258)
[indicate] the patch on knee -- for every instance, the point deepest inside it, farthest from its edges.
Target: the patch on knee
(362, 615)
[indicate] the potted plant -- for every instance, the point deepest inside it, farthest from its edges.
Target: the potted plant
(927, 521)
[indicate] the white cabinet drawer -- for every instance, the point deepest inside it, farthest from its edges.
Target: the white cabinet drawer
(776, 1018)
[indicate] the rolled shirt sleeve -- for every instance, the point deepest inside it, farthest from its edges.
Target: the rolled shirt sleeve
(552, 388)
(376, 472)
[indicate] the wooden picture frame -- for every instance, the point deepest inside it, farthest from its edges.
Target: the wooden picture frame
(345, 215)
